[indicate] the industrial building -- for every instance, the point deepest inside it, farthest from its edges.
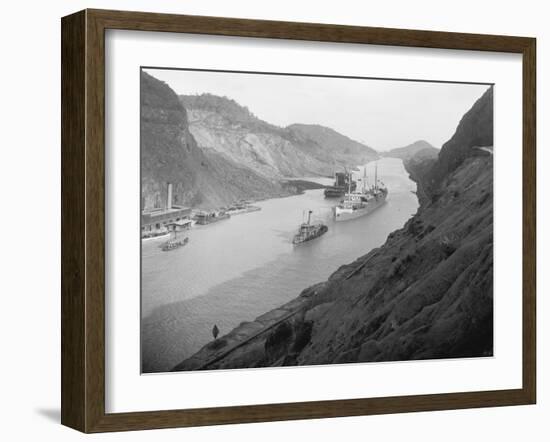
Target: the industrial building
(158, 221)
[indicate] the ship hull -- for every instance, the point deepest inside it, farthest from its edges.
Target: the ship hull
(344, 215)
(334, 193)
(338, 191)
(299, 240)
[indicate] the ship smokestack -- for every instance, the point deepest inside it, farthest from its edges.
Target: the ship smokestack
(169, 196)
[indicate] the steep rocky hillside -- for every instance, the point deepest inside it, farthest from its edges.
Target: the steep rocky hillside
(169, 153)
(474, 130)
(407, 152)
(426, 293)
(221, 124)
(419, 166)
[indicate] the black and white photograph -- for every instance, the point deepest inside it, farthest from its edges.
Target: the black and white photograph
(301, 219)
(269, 221)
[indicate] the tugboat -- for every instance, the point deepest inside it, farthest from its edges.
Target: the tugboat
(357, 204)
(308, 230)
(174, 243)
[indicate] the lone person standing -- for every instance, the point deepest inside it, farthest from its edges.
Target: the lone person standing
(215, 331)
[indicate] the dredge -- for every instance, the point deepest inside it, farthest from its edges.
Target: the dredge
(342, 182)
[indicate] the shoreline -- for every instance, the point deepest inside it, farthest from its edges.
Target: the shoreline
(296, 187)
(299, 186)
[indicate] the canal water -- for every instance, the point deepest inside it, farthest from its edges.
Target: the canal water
(237, 269)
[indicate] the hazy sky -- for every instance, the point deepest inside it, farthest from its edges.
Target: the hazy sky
(380, 113)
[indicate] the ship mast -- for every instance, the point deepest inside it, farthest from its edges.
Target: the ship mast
(376, 176)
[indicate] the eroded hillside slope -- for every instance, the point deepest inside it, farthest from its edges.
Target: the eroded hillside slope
(221, 124)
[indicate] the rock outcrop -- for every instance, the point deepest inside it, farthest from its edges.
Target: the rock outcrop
(419, 166)
(474, 130)
(426, 293)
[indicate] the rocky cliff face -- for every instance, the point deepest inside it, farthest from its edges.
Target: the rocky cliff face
(474, 130)
(220, 124)
(419, 166)
(169, 153)
(426, 293)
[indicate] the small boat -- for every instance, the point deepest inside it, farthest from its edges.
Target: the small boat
(174, 243)
(308, 231)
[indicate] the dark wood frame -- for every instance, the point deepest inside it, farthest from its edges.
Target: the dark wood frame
(83, 217)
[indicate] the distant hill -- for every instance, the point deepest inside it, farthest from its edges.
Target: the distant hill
(407, 152)
(232, 130)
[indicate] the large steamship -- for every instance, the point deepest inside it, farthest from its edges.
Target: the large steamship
(363, 202)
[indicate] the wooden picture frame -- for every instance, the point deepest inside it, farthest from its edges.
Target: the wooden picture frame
(83, 220)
